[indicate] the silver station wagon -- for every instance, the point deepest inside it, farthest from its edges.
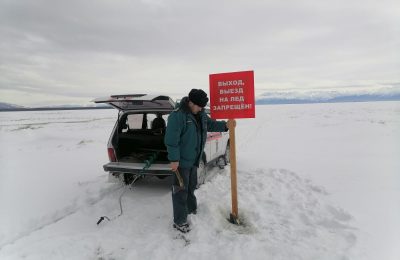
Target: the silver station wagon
(136, 145)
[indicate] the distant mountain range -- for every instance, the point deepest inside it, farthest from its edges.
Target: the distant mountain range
(12, 107)
(8, 106)
(320, 96)
(268, 98)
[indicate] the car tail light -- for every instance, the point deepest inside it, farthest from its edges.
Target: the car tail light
(111, 155)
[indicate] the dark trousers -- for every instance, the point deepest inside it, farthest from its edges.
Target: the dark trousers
(183, 199)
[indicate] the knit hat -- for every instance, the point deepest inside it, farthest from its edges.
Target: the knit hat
(198, 97)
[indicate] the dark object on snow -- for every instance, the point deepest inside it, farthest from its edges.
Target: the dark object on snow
(120, 202)
(184, 228)
(233, 219)
(102, 218)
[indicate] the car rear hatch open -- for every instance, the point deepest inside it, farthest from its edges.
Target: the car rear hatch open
(138, 102)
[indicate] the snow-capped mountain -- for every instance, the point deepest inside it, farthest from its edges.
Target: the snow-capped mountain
(5, 106)
(329, 96)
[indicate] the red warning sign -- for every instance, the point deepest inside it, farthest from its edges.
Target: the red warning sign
(232, 95)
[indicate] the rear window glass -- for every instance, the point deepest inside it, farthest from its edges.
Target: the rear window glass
(135, 121)
(144, 121)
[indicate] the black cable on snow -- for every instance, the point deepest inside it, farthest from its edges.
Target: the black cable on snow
(120, 202)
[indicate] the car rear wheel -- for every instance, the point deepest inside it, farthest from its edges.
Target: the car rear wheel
(201, 173)
(221, 163)
(128, 178)
(227, 155)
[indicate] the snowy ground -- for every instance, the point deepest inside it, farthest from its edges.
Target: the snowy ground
(318, 181)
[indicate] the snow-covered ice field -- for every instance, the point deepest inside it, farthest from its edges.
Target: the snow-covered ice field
(316, 181)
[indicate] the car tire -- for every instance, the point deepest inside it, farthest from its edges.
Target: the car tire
(227, 155)
(201, 173)
(221, 163)
(128, 178)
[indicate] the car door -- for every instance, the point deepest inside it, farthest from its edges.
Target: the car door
(214, 138)
(213, 141)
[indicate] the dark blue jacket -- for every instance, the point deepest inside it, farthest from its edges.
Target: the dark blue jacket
(185, 138)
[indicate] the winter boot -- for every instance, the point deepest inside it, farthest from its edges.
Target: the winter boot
(184, 228)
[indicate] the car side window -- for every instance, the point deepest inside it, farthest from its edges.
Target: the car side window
(150, 118)
(134, 121)
(166, 118)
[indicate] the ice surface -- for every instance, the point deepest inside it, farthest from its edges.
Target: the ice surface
(317, 181)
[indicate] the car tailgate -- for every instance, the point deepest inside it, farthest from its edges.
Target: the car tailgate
(137, 168)
(138, 102)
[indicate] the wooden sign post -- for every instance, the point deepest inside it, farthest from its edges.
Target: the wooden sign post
(231, 97)
(234, 216)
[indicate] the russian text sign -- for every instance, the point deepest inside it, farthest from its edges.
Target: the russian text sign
(232, 95)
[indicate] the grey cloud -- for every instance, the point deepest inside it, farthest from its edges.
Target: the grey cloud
(59, 46)
(189, 27)
(139, 29)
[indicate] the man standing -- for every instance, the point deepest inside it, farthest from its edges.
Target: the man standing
(185, 138)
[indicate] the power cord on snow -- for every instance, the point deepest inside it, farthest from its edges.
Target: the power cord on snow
(120, 202)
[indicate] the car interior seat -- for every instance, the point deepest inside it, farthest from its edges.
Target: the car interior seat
(158, 123)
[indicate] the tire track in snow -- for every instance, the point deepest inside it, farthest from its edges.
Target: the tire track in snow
(34, 126)
(67, 211)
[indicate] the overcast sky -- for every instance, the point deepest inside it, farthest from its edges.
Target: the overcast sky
(60, 52)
